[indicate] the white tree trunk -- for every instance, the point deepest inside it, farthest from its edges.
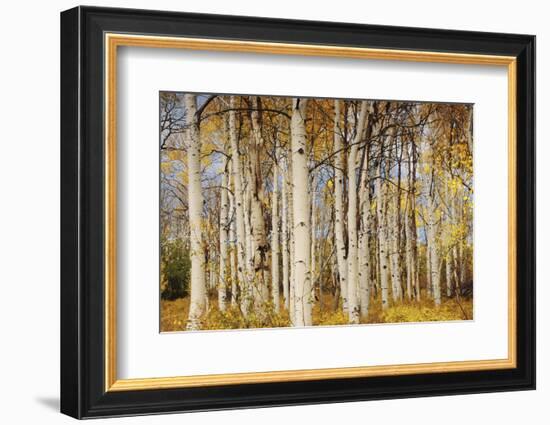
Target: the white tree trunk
(313, 225)
(461, 265)
(455, 269)
(410, 231)
(257, 221)
(339, 226)
(224, 230)
(457, 248)
(353, 269)
(408, 256)
(249, 242)
(233, 244)
(410, 225)
(470, 130)
(198, 282)
(429, 279)
(364, 249)
(292, 280)
(285, 244)
(300, 177)
(432, 240)
(448, 236)
(381, 218)
(239, 209)
(395, 266)
(448, 274)
(275, 236)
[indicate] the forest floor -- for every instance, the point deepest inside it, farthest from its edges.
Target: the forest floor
(174, 314)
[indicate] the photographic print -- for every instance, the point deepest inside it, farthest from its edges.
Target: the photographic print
(289, 212)
(322, 191)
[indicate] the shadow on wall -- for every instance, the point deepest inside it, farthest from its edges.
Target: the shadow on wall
(49, 402)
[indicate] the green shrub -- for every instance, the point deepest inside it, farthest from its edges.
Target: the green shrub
(175, 270)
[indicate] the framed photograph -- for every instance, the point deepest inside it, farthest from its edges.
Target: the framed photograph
(261, 212)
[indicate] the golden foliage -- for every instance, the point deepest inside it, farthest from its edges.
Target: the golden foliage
(426, 311)
(174, 314)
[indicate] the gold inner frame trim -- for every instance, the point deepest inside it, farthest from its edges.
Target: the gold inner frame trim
(113, 41)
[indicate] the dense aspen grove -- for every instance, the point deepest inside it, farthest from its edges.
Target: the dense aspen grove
(278, 211)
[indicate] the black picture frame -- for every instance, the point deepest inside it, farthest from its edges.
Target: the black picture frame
(83, 392)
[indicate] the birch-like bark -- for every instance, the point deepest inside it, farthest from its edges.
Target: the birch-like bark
(455, 268)
(224, 231)
(353, 269)
(410, 231)
(233, 243)
(313, 225)
(381, 220)
(460, 257)
(292, 280)
(275, 236)
(249, 242)
(376, 257)
(300, 177)
(285, 243)
(395, 263)
(470, 130)
(339, 227)
(408, 255)
(413, 283)
(239, 209)
(429, 280)
(257, 221)
(448, 236)
(461, 265)
(364, 249)
(454, 249)
(432, 237)
(448, 273)
(198, 282)
(396, 228)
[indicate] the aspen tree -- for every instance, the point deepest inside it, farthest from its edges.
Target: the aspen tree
(233, 243)
(364, 248)
(285, 242)
(353, 269)
(275, 235)
(432, 233)
(382, 235)
(198, 281)
(239, 208)
(300, 177)
(257, 221)
(339, 227)
(223, 231)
